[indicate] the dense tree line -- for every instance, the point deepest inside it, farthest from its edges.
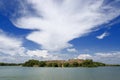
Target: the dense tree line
(85, 63)
(74, 63)
(10, 64)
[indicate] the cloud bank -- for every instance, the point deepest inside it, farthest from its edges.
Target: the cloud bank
(10, 46)
(12, 50)
(108, 57)
(60, 21)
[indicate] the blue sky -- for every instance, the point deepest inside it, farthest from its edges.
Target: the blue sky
(60, 29)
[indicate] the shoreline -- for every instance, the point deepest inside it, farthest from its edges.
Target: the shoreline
(71, 63)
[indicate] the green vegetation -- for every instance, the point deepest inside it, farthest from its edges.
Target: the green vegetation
(90, 63)
(9, 64)
(83, 63)
(112, 64)
(66, 64)
(32, 63)
(60, 63)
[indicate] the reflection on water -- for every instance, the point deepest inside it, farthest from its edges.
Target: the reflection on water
(29, 73)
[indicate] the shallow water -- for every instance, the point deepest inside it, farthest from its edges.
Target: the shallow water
(34, 73)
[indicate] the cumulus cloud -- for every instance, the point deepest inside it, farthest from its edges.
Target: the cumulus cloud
(38, 53)
(84, 56)
(10, 45)
(110, 57)
(72, 50)
(12, 50)
(59, 22)
(103, 35)
(42, 54)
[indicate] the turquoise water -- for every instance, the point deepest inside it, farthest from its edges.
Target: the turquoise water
(29, 73)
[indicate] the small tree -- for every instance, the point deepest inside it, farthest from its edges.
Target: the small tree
(66, 64)
(49, 64)
(54, 65)
(42, 63)
(75, 64)
(31, 63)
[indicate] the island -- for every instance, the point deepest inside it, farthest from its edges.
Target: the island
(63, 63)
(57, 63)
(60, 63)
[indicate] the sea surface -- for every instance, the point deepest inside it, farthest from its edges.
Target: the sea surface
(38, 73)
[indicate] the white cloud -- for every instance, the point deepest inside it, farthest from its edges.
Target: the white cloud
(72, 50)
(103, 35)
(10, 45)
(12, 50)
(39, 53)
(110, 57)
(84, 56)
(57, 24)
(63, 21)
(42, 55)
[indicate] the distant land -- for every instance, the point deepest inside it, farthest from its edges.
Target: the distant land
(60, 63)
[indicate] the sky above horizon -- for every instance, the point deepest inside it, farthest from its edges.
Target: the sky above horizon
(60, 30)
